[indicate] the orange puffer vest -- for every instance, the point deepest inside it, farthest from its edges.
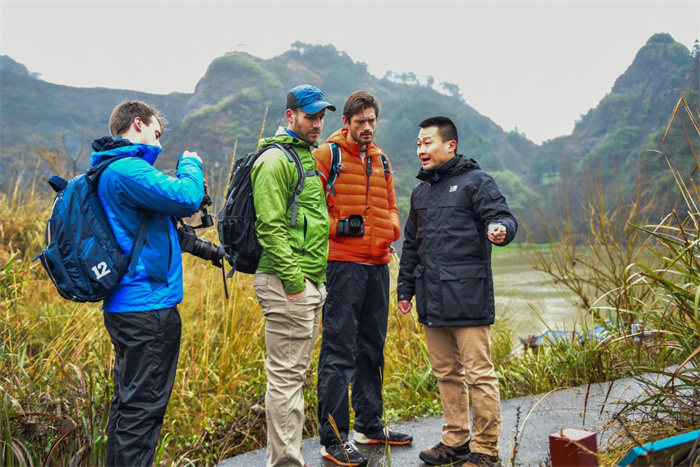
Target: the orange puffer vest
(378, 206)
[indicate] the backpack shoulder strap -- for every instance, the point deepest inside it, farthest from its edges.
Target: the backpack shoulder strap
(292, 155)
(93, 174)
(385, 164)
(138, 244)
(336, 167)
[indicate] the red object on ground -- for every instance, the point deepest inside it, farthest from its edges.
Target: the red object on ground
(571, 447)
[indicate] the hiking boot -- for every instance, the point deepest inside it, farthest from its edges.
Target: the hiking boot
(385, 436)
(343, 454)
(478, 459)
(442, 454)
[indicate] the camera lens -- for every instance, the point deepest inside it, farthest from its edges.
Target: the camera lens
(207, 250)
(189, 243)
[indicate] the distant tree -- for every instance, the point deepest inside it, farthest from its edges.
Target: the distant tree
(452, 90)
(300, 47)
(408, 78)
(519, 195)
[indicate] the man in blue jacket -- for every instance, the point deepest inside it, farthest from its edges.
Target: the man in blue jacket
(141, 313)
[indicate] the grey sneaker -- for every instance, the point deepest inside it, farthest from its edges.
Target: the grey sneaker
(343, 454)
(385, 436)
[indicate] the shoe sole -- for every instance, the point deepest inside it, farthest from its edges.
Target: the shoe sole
(339, 462)
(345, 463)
(433, 461)
(383, 441)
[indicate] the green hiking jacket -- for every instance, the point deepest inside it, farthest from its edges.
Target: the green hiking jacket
(291, 253)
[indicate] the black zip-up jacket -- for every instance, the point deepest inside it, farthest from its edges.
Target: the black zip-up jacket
(446, 257)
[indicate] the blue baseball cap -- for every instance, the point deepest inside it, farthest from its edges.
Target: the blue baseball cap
(308, 98)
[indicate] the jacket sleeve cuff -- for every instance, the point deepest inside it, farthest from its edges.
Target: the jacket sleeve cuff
(404, 296)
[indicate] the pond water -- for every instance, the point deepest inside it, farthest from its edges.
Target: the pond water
(529, 298)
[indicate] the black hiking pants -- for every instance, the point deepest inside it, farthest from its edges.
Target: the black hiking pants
(352, 349)
(146, 347)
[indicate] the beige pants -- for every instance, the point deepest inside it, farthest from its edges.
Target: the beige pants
(461, 361)
(290, 332)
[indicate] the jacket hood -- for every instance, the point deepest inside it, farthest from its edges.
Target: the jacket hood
(282, 137)
(110, 146)
(342, 139)
(454, 166)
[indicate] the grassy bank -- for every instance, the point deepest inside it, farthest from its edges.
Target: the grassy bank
(56, 359)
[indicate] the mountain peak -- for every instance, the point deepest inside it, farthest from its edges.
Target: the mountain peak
(661, 52)
(661, 38)
(8, 64)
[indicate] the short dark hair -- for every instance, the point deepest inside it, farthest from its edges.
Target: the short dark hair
(446, 127)
(357, 102)
(127, 111)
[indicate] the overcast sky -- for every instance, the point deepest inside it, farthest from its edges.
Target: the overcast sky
(537, 66)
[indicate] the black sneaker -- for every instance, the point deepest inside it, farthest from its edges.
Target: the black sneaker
(383, 437)
(478, 459)
(343, 454)
(442, 454)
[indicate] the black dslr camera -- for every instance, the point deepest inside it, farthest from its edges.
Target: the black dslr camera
(190, 243)
(352, 226)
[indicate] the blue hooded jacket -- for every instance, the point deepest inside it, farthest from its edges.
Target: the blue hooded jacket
(131, 188)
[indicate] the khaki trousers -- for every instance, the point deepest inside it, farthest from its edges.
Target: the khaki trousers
(290, 332)
(461, 361)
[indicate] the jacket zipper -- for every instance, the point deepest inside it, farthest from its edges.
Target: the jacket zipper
(303, 241)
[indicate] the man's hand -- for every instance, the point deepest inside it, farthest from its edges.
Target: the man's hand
(496, 233)
(192, 154)
(405, 306)
(296, 296)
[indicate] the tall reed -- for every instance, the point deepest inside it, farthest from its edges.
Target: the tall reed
(673, 284)
(645, 277)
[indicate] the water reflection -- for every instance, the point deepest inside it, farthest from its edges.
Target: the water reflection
(529, 298)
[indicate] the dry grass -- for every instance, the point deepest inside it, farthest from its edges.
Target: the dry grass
(57, 358)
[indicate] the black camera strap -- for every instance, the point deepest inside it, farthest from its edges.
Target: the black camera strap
(369, 173)
(223, 277)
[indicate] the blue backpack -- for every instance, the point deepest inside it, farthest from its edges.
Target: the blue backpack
(82, 256)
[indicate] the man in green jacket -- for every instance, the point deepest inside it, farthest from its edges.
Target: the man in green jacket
(289, 282)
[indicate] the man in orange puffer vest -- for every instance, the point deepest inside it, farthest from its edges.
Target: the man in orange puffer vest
(364, 221)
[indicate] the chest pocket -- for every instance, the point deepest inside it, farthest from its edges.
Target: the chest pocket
(452, 195)
(456, 225)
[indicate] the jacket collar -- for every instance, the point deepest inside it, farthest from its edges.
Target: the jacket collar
(283, 137)
(341, 138)
(110, 146)
(456, 165)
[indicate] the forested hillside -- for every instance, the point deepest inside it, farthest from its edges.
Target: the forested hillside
(615, 145)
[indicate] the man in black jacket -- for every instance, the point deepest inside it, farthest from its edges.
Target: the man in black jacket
(457, 212)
